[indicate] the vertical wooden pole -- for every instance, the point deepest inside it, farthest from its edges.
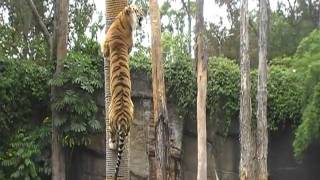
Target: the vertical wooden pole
(202, 71)
(113, 8)
(159, 99)
(247, 143)
(262, 123)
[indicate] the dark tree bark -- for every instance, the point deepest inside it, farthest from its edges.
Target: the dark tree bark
(162, 143)
(202, 64)
(57, 44)
(247, 145)
(262, 123)
(113, 8)
(60, 52)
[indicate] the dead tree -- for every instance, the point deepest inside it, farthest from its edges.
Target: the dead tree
(162, 143)
(262, 123)
(202, 71)
(247, 145)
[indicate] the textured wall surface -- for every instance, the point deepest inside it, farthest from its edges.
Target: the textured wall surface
(88, 163)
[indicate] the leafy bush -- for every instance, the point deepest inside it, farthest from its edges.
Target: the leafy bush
(23, 104)
(309, 130)
(25, 92)
(80, 82)
(26, 155)
(306, 65)
(23, 89)
(140, 59)
(181, 85)
(284, 93)
(223, 92)
(310, 44)
(284, 97)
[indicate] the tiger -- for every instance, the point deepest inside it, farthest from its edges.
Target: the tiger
(116, 46)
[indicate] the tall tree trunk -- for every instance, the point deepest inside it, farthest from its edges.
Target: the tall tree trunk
(159, 98)
(113, 8)
(262, 124)
(202, 64)
(60, 51)
(247, 159)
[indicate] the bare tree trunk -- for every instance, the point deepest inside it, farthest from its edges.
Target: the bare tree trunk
(113, 8)
(262, 124)
(247, 159)
(202, 64)
(60, 51)
(159, 98)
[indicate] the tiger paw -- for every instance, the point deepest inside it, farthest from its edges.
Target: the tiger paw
(112, 145)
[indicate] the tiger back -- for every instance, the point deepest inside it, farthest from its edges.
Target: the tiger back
(116, 47)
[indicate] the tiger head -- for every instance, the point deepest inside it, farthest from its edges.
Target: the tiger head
(135, 14)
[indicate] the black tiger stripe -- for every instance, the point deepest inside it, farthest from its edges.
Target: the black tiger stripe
(116, 46)
(121, 142)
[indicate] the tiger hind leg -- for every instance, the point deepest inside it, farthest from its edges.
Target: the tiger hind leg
(112, 144)
(112, 141)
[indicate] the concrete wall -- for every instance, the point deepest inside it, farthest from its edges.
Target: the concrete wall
(283, 166)
(88, 163)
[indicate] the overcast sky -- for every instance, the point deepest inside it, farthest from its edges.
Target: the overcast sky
(212, 13)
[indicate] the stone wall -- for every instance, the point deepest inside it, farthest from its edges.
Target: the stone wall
(88, 163)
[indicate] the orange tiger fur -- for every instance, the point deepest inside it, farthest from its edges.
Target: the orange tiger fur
(116, 47)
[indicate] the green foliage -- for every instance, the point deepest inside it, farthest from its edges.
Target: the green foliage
(140, 59)
(80, 15)
(25, 156)
(23, 103)
(284, 94)
(283, 39)
(223, 92)
(25, 87)
(309, 130)
(177, 52)
(284, 97)
(181, 85)
(80, 82)
(305, 66)
(12, 46)
(81, 79)
(22, 88)
(310, 44)
(288, 29)
(175, 18)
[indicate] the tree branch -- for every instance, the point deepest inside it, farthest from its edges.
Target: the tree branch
(40, 22)
(186, 7)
